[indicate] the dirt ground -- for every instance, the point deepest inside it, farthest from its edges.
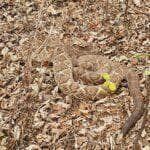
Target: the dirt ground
(34, 113)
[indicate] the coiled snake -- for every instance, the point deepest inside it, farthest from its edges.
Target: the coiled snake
(84, 80)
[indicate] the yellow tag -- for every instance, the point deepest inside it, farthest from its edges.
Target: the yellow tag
(106, 83)
(112, 86)
(106, 76)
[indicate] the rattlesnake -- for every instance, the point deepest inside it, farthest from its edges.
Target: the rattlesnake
(83, 80)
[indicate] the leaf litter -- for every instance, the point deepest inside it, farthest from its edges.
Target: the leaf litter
(34, 114)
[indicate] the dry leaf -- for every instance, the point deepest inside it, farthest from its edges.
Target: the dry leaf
(137, 2)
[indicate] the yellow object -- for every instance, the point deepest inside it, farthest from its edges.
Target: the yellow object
(106, 76)
(106, 83)
(112, 86)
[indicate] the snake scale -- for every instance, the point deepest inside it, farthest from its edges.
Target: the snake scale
(83, 80)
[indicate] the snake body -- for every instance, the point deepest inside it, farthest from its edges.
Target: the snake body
(83, 80)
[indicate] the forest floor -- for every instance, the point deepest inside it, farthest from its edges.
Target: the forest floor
(34, 114)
